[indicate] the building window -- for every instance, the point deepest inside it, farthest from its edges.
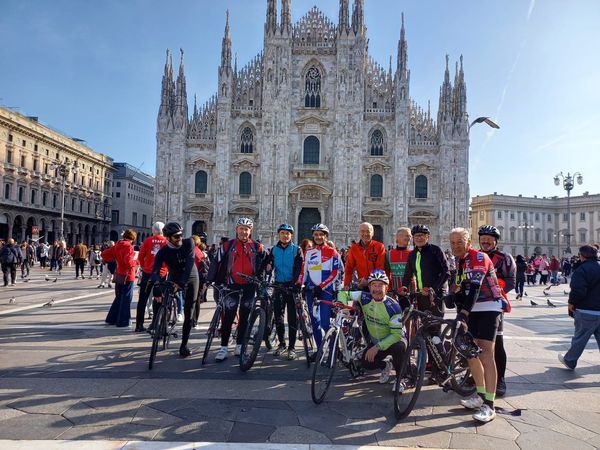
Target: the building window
(377, 143)
(499, 214)
(118, 194)
(377, 186)
(10, 138)
(512, 234)
(46, 168)
(582, 236)
(24, 143)
(7, 191)
(513, 250)
(134, 219)
(245, 183)
(201, 183)
(35, 164)
(481, 215)
(524, 216)
(582, 217)
(80, 205)
(33, 195)
(550, 218)
(114, 216)
(21, 193)
(247, 140)
(89, 207)
(118, 184)
(565, 217)
(311, 150)
(421, 187)
(537, 217)
(512, 216)
(538, 235)
(9, 155)
(312, 96)
(72, 204)
(54, 200)
(23, 161)
(144, 221)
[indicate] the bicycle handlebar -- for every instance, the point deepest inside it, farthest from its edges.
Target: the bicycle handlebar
(338, 305)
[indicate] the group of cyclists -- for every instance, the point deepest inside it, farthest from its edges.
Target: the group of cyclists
(383, 278)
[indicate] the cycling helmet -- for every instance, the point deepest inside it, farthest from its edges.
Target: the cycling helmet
(489, 230)
(420, 228)
(320, 227)
(285, 227)
(172, 228)
(378, 275)
(466, 346)
(245, 221)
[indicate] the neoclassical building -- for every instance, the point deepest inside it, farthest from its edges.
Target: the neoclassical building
(33, 185)
(313, 130)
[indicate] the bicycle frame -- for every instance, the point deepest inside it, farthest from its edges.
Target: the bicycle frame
(341, 321)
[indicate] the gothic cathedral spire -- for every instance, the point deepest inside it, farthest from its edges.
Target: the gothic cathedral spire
(358, 17)
(402, 63)
(271, 24)
(286, 16)
(166, 106)
(343, 24)
(445, 107)
(226, 46)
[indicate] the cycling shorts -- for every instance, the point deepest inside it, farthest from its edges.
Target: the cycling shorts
(484, 325)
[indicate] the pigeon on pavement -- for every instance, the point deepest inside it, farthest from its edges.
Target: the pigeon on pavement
(552, 305)
(532, 303)
(49, 304)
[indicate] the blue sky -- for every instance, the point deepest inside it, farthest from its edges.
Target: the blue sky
(93, 70)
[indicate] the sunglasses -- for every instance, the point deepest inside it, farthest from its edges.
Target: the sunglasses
(177, 236)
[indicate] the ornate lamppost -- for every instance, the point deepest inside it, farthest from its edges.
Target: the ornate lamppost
(568, 185)
(526, 227)
(63, 169)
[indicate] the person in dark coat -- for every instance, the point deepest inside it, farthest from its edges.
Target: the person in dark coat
(521, 269)
(10, 258)
(584, 305)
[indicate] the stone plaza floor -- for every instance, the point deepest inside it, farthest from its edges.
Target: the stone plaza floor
(69, 381)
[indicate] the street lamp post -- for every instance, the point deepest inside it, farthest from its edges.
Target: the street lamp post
(526, 227)
(64, 168)
(568, 185)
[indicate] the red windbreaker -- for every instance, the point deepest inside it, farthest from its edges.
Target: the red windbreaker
(148, 251)
(122, 252)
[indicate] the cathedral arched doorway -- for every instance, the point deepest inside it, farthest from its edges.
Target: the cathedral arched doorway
(306, 219)
(199, 227)
(378, 233)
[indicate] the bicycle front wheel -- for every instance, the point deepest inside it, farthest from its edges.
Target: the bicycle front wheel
(410, 378)
(307, 342)
(325, 364)
(458, 364)
(159, 326)
(253, 336)
(210, 333)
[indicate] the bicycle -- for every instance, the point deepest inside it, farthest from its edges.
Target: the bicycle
(304, 325)
(217, 318)
(255, 332)
(450, 368)
(164, 322)
(343, 343)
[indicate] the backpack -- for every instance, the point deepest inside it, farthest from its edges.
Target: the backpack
(96, 258)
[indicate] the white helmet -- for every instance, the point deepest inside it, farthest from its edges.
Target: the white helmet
(245, 221)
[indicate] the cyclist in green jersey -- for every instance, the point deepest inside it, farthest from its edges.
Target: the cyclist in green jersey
(383, 318)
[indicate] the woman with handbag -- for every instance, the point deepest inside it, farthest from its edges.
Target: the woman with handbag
(122, 252)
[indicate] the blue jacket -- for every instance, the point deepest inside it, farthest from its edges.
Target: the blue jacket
(286, 261)
(585, 286)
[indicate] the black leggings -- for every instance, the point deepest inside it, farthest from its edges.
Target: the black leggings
(231, 303)
(79, 265)
(145, 291)
(520, 287)
(397, 351)
(499, 352)
(190, 294)
(282, 299)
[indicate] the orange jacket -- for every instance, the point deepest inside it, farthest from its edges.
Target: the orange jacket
(364, 260)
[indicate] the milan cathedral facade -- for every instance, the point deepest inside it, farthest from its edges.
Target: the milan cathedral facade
(313, 130)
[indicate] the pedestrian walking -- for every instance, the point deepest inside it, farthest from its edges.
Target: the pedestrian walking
(10, 258)
(80, 254)
(43, 249)
(123, 254)
(107, 269)
(584, 305)
(521, 270)
(94, 261)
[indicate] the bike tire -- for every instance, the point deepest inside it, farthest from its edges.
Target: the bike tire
(459, 364)
(210, 334)
(411, 376)
(156, 336)
(324, 368)
(170, 323)
(253, 338)
(305, 336)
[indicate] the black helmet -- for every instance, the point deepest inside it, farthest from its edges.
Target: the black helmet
(172, 228)
(489, 230)
(466, 346)
(285, 227)
(420, 228)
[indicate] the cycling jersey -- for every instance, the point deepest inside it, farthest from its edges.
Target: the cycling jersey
(479, 287)
(383, 319)
(364, 259)
(236, 256)
(505, 267)
(286, 261)
(179, 260)
(396, 260)
(429, 266)
(320, 268)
